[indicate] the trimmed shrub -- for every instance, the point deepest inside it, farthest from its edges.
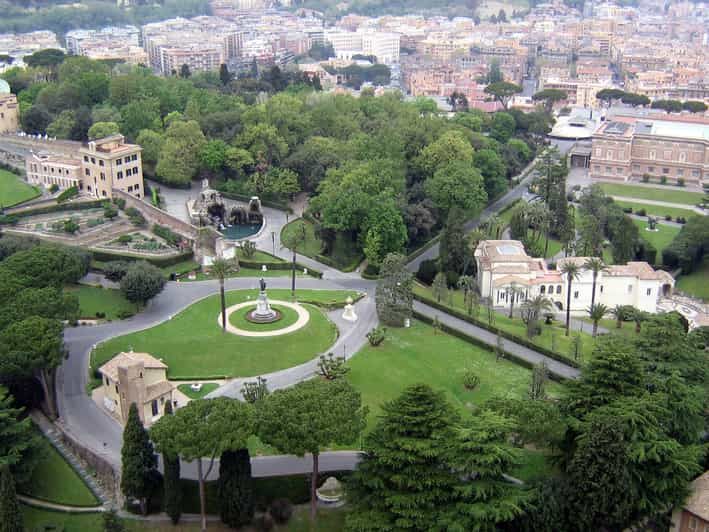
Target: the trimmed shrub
(668, 217)
(170, 236)
(66, 195)
(646, 178)
(125, 239)
(427, 271)
(9, 219)
(680, 181)
(663, 180)
(641, 212)
(628, 210)
(471, 380)
(681, 220)
(115, 270)
(281, 510)
(120, 203)
(53, 188)
(376, 336)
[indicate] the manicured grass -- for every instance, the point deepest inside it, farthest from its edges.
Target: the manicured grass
(247, 272)
(657, 210)
(345, 253)
(206, 388)
(288, 318)
(418, 354)
(193, 345)
(38, 519)
(696, 283)
(258, 256)
(667, 193)
(327, 521)
(516, 327)
(93, 299)
(14, 190)
(660, 239)
(55, 481)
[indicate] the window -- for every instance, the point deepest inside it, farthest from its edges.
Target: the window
(630, 288)
(558, 289)
(682, 156)
(576, 295)
(609, 169)
(93, 160)
(103, 193)
(127, 159)
(119, 162)
(649, 291)
(599, 152)
(601, 289)
(134, 157)
(551, 288)
(665, 170)
(86, 158)
(130, 188)
(88, 187)
(154, 407)
(103, 176)
(135, 171)
(116, 388)
(609, 154)
(618, 170)
(119, 175)
(87, 171)
(107, 381)
(100, 162)
(680, 172)
(667, 155)
(596, 168)
(695, 173)
(653, 154)
(543, 289)
(136, 187)
(636, 168)
(692, 525)
(650, 168)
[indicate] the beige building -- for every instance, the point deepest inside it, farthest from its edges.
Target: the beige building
(8, 109)
(693, 516)
(98, 168)
(136, 378)
(626, 148)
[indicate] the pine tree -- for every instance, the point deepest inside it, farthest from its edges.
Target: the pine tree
(236, 502)
(138, 459)
(402, 481)
(172, 496)
(10, 514)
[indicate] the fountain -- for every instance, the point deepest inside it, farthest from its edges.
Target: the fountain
(263, 313)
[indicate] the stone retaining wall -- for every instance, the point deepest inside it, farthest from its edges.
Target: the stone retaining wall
(158, 216)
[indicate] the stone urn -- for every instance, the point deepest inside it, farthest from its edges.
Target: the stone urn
(331, 492)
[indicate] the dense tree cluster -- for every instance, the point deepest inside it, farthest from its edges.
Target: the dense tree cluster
(689, 247)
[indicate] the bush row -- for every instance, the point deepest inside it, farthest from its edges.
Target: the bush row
(67, 194)
(167, 234)
(160, 262)
(327, 261)
(79, 206)
(256, 265)
(484, 325)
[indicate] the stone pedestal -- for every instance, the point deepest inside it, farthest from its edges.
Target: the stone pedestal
(349, 314)
(263, 311)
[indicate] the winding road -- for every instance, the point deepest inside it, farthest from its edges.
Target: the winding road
(85, 421)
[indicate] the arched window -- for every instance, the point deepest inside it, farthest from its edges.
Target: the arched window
(558, 289)
(543, 289)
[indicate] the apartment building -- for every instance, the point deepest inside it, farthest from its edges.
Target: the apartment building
(77, 41)
(504, 270)
(97, 169)
(9, 109)
(626, 148)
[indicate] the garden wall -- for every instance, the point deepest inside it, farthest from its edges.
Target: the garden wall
(158, 216)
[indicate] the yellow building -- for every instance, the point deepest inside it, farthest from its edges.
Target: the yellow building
(136, 378)
(8, 109)
(111, 163)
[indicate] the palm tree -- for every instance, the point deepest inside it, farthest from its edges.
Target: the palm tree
(532, 309)
(638, 316)
(597, 312)
(467, 284)
(572, 272)
(596, 266)
(512, 292)
(221, 269)
(620, 313)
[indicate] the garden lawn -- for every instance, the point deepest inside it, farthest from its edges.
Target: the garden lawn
(665, 193)
(194, 347)
(516, 327)
(55, 481)
(660, 239)
(345, 255)
(206, 388)
(258, 256)
(93, 299)
(657, 210)
(14, 190)
(418, 354)
(38, 519)
(696, 283)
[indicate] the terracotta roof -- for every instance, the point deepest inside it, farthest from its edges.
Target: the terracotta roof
(698, 502)
(641, 270)
(509, 268)
(509, 279)
(110, 368)
(154, 391)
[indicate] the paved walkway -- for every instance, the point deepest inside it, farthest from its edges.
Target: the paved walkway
(39, 503)
(533, 357)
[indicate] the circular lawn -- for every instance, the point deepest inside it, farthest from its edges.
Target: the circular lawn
(239, 320)
(193, 345)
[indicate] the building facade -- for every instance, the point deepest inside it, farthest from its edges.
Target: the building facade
(504, 271)
(98, 168)
(693, 515)
(9, 109)
(627, 148)
(136, 378)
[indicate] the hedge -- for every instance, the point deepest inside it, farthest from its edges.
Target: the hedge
(160, 262)
(476, 341)
(67, 194)
(327, 261)
(483, 325)
(79, 206)
(167, 234)
(256, 265)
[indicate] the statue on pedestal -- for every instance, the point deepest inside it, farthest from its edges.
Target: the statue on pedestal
(263, 312)
(349, 314)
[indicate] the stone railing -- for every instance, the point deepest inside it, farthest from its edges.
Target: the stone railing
(158, 216)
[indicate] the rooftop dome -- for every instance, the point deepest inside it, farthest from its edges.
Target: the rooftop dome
(4, 87)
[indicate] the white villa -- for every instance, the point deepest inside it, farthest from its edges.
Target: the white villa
(504, 268)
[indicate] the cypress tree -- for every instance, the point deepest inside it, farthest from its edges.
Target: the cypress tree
(404, 482)
(172, 496)
(138, 459)
(10, 515)
(236, 503)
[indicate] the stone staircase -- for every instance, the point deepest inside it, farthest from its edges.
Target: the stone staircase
(52, 434)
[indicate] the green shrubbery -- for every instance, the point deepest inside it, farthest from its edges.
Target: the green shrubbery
(68, 194)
